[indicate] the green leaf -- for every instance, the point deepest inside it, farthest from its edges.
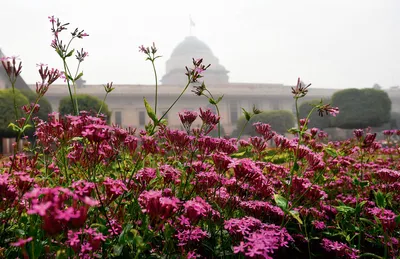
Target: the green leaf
(164, 122)
(360, 183)
(150, 111)
(19, 232)
(380, 199)
(14, 127)
(117, 250)
(240, 154)
(59, 52)
(27, 126)
(246, 114)
(367, 221)
(296, 167)
(219, 99)
(212, 101)
(332, 152)
(397, 219)
(359, 207)
(78, 76)
(122, 236)
(69, 77)
(70, 53)
(345, 209)
(295, 214)
(281, 201)
(293, 130)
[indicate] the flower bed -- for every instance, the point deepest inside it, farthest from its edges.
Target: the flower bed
(90, 190)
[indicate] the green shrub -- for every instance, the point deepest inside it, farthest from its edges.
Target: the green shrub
(361, 108)
(87, 103)
(315, 120)
(7, 112)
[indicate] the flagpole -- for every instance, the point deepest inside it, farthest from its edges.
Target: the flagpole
(190, 25)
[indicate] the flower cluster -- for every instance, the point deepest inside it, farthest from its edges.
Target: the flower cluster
(59, 208)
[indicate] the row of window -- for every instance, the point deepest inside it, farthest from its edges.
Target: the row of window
(234, 112)
(141, 116)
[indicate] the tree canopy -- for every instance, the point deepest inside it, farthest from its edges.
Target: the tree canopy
(361, 108)
(87, 103)
(279, 120)
(315, 120)
(7, 113)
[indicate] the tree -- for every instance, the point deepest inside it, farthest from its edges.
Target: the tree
(280, 122)
(361, 108)
(315, 120)
(7, 112)
(87, 103)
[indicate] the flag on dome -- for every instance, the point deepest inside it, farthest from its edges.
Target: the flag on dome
(192, 22)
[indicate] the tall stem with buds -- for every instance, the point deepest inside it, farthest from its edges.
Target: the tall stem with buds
(13, 72)
(108, 88)
(248, 116)
(151, 55)
(298, 92)
(64, 53)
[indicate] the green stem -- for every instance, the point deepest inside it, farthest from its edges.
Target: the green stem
(156, 80)
(219, 122)
(172, 105)
(69, 88)
(101, 106)
(385, 253)
(219, 115)
(241, 132)
(177, 99)
(14, 99)
(301, 131)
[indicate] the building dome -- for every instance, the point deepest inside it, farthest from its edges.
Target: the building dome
(191, 47)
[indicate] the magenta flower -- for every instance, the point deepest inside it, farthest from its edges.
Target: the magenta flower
(51, 19)
(22, 242)
(191, 236)
(320, 225)
(187, 118)
(196, 209)
(40, 209)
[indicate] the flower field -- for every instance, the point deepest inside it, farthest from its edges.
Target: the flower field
(85, 189)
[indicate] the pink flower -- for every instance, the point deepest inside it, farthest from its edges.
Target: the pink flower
(157, 205)
(196, 209)
(320, 225)
(22, 242)
(144, 49)
(40, 209)
(52, 19)
(199, 70)
(187, 118)
(192, 255)
(194, 235)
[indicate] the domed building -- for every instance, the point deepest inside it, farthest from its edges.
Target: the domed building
(126, 101)
(191, 47)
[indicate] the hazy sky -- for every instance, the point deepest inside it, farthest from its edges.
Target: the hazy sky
(338, 43)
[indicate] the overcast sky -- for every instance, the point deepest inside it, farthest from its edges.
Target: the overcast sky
(332, 44)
